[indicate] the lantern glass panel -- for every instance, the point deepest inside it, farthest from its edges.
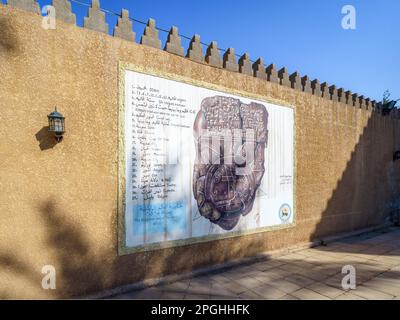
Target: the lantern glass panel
(58, 125)
(51, 124)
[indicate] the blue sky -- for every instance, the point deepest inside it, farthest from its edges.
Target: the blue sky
(302, 35)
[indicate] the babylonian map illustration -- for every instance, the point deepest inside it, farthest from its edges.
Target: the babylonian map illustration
(224, 194)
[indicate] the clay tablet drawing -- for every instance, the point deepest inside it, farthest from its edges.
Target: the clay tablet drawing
(224, 192)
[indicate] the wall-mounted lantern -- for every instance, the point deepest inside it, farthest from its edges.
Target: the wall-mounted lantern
(396, 156)
(57, 124)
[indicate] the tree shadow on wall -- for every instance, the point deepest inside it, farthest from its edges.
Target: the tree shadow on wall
(369, 183)
(78, 269)
(17, 267)
(8, 42)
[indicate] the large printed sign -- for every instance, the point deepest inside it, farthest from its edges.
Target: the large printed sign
(200, 163)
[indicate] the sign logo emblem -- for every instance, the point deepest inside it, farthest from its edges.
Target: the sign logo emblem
(285, 212)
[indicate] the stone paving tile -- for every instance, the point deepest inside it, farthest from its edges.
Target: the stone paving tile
(214, 297)
(148, 293)
(195, 289)
(396, 269)
(373, 266)
(349, 296)
(262, 266)
(396, 251)
(234, 287)
(383, 286)
(326, 290)
(278, 273)
(307, 294)
(120, 297)
(325, 248)
(201, 279)
(387, 281)
(249, 282)
(328, 270)
(392, 260)
(269, 292)
(336, 247)
(284, 285)
(371, 294)
(374, 242)
(300, 280)
(329, 263)
(275, 263)
(312, 273)
(267, 277)
(337, 254)
(378, 250)
(391, 275)
(353, 259)
(303, 253)
(267, 265)
(219, 278)
(289, 297)
(382, 257)
(247, 269)
(335, 281)
(237, 274)
(366, 256)
(382, 262)
(190, 296)
(355, 248)
(176, 295)
(258, 273)
(304, 265)
(310, 252)
(291, 268)
(250, 295)
(364, 276)
(174, 286)
(314, 260)
(291, 257)
(199, 286)
(218, 289)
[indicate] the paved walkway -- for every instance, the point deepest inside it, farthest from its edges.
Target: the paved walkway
(313, 273)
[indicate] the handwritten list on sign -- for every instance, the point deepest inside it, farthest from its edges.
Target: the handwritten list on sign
(157, 120)
(153, 114)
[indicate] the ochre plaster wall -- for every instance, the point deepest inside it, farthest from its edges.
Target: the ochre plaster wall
(58, 203)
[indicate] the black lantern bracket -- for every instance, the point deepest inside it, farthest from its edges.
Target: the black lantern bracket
(57, 124)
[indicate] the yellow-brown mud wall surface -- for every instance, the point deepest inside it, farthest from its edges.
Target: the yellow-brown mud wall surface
(58, 202)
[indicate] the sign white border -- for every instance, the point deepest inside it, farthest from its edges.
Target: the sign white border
(122, 248)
